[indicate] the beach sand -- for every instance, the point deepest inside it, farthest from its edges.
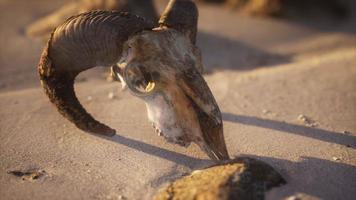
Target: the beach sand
(286, 90)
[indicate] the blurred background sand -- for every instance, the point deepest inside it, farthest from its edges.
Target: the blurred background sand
(286, 88)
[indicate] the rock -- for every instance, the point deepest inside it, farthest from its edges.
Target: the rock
(307, 120)
(269, 113)
(301, 196)
(264, 111)
(89, 98)
(336, 158)
(302, 118)
(28, 175)
(120, 197)
(241, 178)
(111, 95)
(346, 132)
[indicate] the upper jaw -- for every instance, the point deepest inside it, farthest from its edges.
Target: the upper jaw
(185, 111)
(164, 112)
(208, 114)
(180, 140)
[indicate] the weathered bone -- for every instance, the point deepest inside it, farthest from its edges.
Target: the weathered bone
(72, 49)
(181, 106)
(163, 61)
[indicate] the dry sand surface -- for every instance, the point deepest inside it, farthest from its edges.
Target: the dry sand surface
(287, 92)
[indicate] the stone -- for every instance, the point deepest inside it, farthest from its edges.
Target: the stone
(28, 175)
(301, 196)
(241, 178)
(307, 121)
(336, 158)
(111, 95)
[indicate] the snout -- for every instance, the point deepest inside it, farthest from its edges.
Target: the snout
(181, 107)
(184, 110)
(203, 105)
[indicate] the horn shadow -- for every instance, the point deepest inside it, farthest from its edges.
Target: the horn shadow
(315, 133)
(224, 53)
(178, 158)
(313, 177)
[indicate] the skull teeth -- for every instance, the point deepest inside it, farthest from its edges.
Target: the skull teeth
(157, 130)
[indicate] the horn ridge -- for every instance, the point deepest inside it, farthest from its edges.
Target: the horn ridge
(80, 43)
(59, 87)
(181, 15)
(101, 30)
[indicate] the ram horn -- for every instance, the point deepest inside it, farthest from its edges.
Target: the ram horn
(44, 26)
(82, 42)
(181, 15)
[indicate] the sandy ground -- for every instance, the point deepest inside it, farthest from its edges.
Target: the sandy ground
(263, 73)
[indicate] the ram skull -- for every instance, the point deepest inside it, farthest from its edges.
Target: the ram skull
(160, 65)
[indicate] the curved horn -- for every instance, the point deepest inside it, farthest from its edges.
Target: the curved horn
(181, 15)
(44, 26)
(82, 42)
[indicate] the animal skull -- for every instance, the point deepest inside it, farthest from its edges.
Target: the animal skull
(161, 66)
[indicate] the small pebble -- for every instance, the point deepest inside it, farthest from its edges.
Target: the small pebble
(264, 111)
(120, 197)
(196, 172)
(336, 158)
(302, 118)
(293, 198)
(346, 132)
(307, 121)
(89, 98)
(269, 113)
(301, 196)
(30, 175)
(111, 95)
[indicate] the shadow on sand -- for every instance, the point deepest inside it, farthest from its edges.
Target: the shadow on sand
(223, 53)
(315, 133)
(193, 163)
(313, 176)
(175, 157)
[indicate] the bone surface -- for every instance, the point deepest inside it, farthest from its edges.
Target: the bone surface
(160, 65)
(179, 95)
(253, 65)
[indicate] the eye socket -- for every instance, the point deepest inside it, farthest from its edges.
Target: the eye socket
(139, 80)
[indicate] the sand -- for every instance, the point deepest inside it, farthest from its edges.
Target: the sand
(264, 73)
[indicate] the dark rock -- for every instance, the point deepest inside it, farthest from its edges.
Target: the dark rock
(28, 175)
